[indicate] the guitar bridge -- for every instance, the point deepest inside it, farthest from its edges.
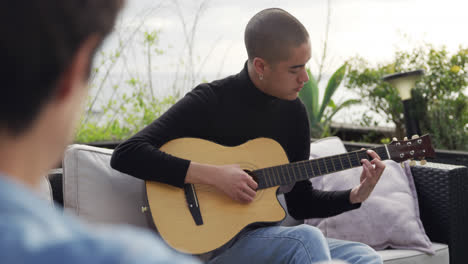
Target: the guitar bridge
(192, 203)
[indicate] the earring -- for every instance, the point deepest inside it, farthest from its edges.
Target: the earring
(260, 76)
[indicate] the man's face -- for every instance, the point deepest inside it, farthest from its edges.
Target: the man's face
(285, 79)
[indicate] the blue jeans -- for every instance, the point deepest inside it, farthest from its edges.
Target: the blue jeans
(297, 244)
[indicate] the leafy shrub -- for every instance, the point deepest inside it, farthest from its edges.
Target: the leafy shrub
(439, 98)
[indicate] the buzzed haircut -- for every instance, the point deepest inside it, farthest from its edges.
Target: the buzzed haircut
(39, 41)
(271, 33)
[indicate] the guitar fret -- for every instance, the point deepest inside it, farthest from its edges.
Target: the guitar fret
(318, 166)
(296, 171)
(270, 178)
(287, 178)
(316, 170)
(357, 160)
(303, 173)
(263, 178)
(382, 152)
(311, 169)
(329, 161)
(333, 164)
(259, 178)
(294, 174)
(323, 165)
(299, 173)
(289, 175)
(283, 175)
(336, 163)
(349, 161)
(350, 164)
(275, 178)
(279, 172)
(341, 162)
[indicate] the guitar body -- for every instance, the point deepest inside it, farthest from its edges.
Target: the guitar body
(223, 217)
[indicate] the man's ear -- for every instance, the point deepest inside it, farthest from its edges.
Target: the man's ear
(78, 70)
(259, 65)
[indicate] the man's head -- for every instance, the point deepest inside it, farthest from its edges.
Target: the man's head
(45, 56)
(278, 48)
(40, 39)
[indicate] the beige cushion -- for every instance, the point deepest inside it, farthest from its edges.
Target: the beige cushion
(99, 194)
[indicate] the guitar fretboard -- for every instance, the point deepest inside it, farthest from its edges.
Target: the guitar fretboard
(302, 170)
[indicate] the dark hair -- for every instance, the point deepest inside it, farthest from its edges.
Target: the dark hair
(271, 33)
(39, 40)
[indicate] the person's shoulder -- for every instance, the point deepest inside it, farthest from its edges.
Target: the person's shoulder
(218, 86)
(216, 89)
(29, 240)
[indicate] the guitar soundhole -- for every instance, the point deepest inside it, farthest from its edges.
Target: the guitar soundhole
(252, 175)
(255, 178)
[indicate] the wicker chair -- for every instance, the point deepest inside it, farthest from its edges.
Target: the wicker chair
(443, 202)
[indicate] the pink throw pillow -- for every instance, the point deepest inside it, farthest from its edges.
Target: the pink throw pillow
(388, 218)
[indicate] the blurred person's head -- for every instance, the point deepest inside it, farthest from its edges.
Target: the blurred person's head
(46, 55)
(278, 47)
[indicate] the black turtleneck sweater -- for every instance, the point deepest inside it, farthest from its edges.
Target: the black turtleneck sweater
(229, 112)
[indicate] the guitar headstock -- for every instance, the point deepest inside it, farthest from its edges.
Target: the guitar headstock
(416, 148)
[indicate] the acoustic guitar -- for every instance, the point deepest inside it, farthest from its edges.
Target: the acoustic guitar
(198, 218)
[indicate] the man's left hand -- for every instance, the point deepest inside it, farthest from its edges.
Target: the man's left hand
(371, 172)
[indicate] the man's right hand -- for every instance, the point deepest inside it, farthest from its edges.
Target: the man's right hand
(230, 179)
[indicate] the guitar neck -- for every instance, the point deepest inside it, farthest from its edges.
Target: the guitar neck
(303, 170)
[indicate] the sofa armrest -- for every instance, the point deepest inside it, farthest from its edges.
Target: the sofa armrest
(56, 182)
(443, 203)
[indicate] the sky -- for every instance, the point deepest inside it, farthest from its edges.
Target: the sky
(371, 29)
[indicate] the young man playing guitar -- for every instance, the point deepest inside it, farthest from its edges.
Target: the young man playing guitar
(260, 101)
(46, 56)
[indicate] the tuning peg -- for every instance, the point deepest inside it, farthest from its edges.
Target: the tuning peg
(423, 162)
(414, 137)
(394, 139)
(405, 139)
(412, 163)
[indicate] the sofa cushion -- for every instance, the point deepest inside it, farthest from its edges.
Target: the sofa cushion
(99, 194)
(388, 218)
(403, 256)
(393, 256)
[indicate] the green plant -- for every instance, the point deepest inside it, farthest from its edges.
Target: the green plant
(123, 97)
(121, 119)
(131, 104)
(321, 114)
(439, 98)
